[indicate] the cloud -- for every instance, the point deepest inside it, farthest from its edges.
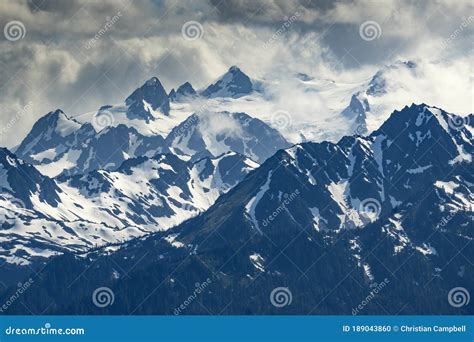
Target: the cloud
(211, 124)
(445, 85)
(55, 66)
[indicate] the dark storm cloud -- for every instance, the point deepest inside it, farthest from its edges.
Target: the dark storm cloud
(53, 6)
(269, 12)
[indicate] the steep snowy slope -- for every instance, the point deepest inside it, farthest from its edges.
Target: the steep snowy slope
(41, 216)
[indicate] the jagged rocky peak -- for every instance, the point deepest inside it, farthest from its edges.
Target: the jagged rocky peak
(184, 90)
(358, 106)
(420, 117)
(49, 130)
(234, 83)
(357, 112)
(378, 83)
(146, 100)
(60, 122)
(24, 182)
(429, 134)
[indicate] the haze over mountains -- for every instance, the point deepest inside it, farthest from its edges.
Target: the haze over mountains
(195, 177)
(59, 143)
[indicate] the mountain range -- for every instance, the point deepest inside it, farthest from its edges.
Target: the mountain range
(149, 199)
(62, 145)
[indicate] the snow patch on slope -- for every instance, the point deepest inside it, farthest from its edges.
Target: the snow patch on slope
(252, 204)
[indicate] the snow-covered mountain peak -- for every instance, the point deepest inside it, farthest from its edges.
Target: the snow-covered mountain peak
(146, 100)
(183, 91)
(50, 130)
(153, 82)
(23, 182)
(423, 116)
(62, 124)
(234, 83)
(186, 88)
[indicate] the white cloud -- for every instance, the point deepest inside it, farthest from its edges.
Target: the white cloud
(51, 67)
